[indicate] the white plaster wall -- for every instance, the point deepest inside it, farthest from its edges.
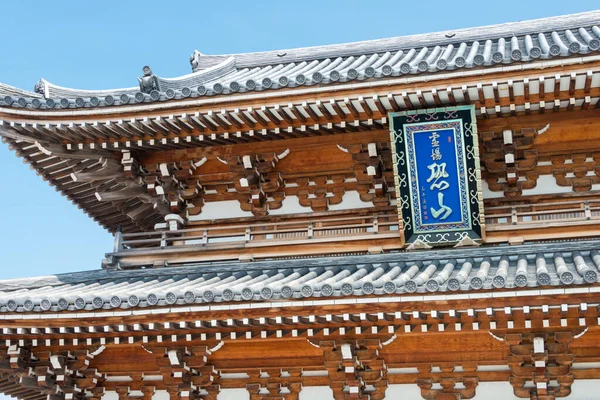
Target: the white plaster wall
(291, 205)
(403, 392)
(546, 184)
(160, 395)
(233, 394)
(110, 396)
(495, 391)
(487, 193)
(581, 390)
(585, 390)
(316, 393)
(221, 209)
(350, 200)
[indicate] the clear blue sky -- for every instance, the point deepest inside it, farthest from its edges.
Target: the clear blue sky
(104, 44)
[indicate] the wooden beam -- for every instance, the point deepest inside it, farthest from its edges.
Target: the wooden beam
(323, 109)
(379, 105)
(60, 151)
(242, 115)
(110, 169)
(257, 117)
(365, 106)
(206, 121)
(393, 103)
(120, 194)
(588, 82)
(283, 113)
(297, 114)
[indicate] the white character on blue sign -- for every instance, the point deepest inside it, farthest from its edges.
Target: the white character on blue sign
(438, 174)
(444, 211)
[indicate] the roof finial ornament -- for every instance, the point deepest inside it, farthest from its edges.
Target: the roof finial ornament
(149, 81)
(194, 62)
(40, 87)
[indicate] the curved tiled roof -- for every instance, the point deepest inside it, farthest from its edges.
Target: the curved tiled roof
(574, 263)
(481, 47)
(523, 30)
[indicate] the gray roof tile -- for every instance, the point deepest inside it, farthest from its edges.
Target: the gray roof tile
(486, 268)
(417, 54)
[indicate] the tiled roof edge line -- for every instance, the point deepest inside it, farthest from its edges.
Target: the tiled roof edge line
(316, 90)
(559, 22)
(429, 255)
(305, 303)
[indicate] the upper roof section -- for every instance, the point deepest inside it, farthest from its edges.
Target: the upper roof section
(481, 47)
(446, 43)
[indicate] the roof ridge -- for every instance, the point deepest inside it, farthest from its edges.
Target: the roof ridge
(8, 90)
(440, 38)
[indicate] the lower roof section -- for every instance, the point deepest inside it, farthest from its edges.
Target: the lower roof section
(485, 269)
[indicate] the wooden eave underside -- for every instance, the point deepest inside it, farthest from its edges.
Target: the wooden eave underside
(76, 144)
(9, 386)
(57, 172)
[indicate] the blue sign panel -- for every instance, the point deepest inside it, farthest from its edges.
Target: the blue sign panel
(437, 171)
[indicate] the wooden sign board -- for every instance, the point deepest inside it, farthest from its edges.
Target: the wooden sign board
(438, 177)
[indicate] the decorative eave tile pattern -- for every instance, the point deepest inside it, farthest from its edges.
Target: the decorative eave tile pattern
(481, 47)
(485, 269)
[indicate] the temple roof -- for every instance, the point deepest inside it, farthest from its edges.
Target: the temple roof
(463, 271)
(456, 38)
(482, 47)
